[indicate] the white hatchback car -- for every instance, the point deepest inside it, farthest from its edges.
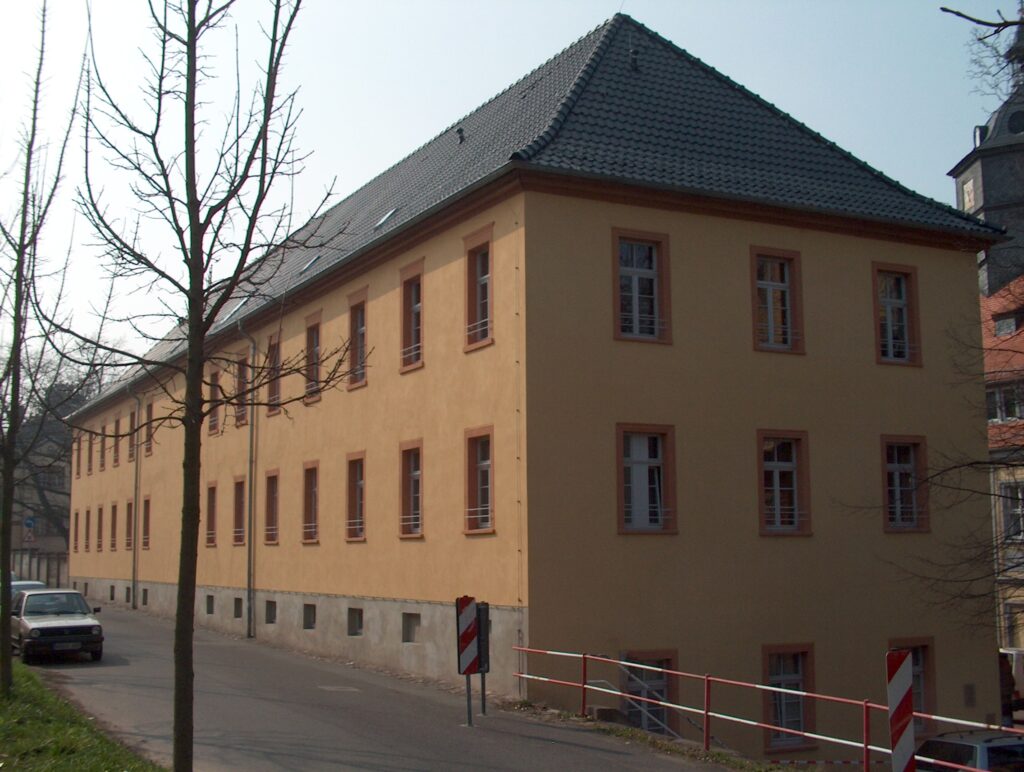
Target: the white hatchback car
(982, 750)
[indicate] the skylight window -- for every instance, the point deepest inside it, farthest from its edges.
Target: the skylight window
(241, 303)
(384, 219)
(309, 264)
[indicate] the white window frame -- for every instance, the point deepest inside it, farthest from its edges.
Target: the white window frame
(767, 290)
(479, 517)
(894, 315)
(787, 709)
(776, 518)
(631, 324)
(412, 515)
(356, 525)
(480, 329)
(997, 402)
(413, 353)
(1011, 496)
(638, 465)
(897, 515)
(359, 343)
(650, 685)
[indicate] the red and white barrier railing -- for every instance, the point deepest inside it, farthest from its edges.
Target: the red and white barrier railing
(863, 743)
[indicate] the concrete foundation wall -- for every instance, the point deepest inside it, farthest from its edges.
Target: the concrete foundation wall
(380, 643)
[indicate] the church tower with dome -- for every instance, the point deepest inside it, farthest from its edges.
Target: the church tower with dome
(990, 180)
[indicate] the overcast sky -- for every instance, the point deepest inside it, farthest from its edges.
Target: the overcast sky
(886, 80)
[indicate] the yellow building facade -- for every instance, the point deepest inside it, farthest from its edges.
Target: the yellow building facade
(642, 421)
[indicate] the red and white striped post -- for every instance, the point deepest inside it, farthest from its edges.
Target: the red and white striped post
(899, 667)
(468, 646)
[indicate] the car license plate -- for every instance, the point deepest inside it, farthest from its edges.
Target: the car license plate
(66, 646)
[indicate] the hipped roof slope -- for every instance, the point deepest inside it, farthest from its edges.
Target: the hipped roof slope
(621, 104)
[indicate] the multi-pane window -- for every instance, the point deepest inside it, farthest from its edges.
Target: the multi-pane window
(78, 456)
(238, 526)
(904, 493)
(211, 516)
(99, 529)
(129, 524)
(273, 374)
(1011, 495)
(642, 309)
(355, 527)
(313, 359)
(88, 527)
(412, 321)
(241, 390)
(776, 302)
(270, 512)
(1005, 325)
(113, 527)
(788, 670)
(1013, 625)
(88, 459)
(1003, 402)
(782, 510)
(480, 504)
(103, 447)
(478, 327)
(647, 685)
(412, 492)
(643, 499)
(75, 532)
(117, 441)
(131, 435)
(215, 400)
(357, 343)
(145, 524)
(310, 507)
(896, 325)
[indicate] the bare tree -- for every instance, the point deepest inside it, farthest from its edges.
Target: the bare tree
(29, 369)
(215, 201)
(991, 39)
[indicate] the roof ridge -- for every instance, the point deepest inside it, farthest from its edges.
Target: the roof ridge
(462, 119)
(542, 140)
(679, 51)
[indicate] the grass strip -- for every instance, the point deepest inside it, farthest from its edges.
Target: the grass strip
(41, 731)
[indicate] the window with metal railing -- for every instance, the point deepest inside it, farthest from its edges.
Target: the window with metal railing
(355, 523)
(310, 504)
(412, 492)
(270, 534)
(238, 525)
(211, 516)
(479, 499)
(412, 321)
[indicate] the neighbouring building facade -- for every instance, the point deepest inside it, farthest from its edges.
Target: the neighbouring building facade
(990, 186)
(638, 359)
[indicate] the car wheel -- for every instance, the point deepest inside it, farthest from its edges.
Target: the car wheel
(97, 655)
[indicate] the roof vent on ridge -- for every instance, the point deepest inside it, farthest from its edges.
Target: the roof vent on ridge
(462, 135)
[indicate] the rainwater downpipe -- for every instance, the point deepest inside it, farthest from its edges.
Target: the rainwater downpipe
(135, 499)
(250, 553)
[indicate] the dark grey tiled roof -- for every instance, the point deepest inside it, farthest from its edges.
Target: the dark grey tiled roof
(670, 121)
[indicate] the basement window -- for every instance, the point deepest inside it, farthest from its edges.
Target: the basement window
(355, 621)
(127, 594)
(270, 612)
(238, 608)
(145, 596)
(111, 592)
(308, 616)
(209, 604)
(410, 628)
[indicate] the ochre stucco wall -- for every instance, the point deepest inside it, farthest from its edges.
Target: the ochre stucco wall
(716, 592)
(453, 392)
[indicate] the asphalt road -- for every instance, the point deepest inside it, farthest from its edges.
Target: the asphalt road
(260, 708)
